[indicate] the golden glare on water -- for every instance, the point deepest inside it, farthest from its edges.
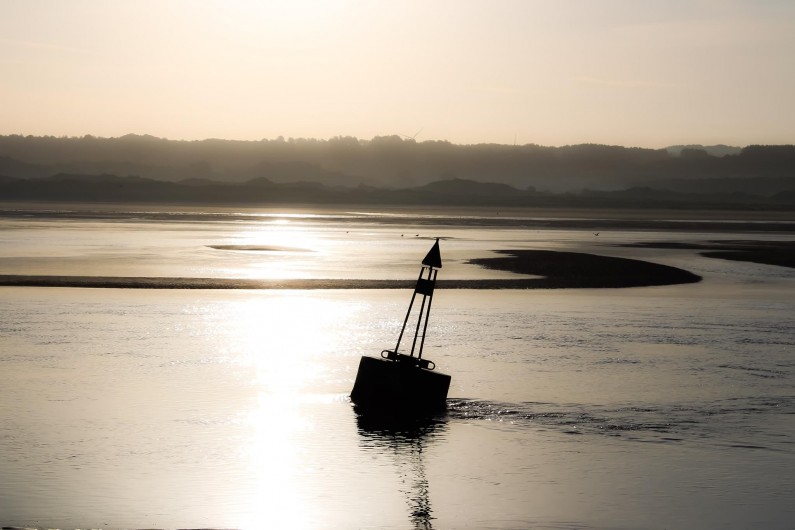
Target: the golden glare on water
(283, 338)
(283, 341)
(274, 460)
(277, 249)
(280, 233)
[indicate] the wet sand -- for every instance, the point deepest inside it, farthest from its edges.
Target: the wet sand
(579, 270)
(558, 270)
(780, 253)
(258, 248)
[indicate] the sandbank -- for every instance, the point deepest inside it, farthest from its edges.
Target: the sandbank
(258, 248)
(558, 270)
(780, 253)
(580, 270)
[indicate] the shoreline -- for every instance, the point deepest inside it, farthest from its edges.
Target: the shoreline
(558, 270)
(536, 218)
(130, 282)
(778, 253)
(579, 270)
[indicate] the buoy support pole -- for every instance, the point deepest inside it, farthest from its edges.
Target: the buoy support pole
(408, 313)
(432, 272)
(425, 287)
(422, 313)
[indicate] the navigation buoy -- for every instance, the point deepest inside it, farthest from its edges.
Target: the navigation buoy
(399, 382)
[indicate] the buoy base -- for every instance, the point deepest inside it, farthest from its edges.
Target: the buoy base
(398, 387)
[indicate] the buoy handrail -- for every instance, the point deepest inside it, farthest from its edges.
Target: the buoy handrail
(392, 355)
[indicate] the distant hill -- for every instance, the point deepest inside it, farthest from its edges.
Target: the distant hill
(455, 192)
(10, 166)
(712, 150)
(762, 186)
(463, 187)
(389, 162)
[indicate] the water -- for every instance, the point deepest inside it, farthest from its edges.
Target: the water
(663, 407)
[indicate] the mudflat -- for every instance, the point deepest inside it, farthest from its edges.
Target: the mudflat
(557, 270)
(780, 253)
(575, 269)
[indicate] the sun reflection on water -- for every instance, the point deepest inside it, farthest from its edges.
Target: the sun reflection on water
(281, 340)
(284, 337)
(283, 233)
(277, 497)
(274, 249)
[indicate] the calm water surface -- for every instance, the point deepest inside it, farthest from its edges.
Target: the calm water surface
(664, 407)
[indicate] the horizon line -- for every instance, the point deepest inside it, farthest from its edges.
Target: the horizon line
(400, 137)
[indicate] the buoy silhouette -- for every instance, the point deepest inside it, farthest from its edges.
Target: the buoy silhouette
(400, 383)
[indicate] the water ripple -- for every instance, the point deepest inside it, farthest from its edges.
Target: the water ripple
(712, 422)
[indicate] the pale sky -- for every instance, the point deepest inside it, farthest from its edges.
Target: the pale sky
(628, 72)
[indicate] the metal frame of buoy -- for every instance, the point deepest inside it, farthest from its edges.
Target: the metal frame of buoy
(425, 286)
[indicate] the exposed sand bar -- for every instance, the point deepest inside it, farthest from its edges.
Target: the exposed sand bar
(562, 270)
(143, 282)
(131, 282)
(780, 253)
(558, 270)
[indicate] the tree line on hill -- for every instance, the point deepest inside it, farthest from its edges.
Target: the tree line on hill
(453, 192)
(390, 170)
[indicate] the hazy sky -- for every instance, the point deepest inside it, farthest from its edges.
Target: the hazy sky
(634, 72)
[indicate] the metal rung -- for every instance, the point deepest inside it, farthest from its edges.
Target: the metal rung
(392, 355)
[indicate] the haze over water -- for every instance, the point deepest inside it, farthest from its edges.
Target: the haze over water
(656, 407)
